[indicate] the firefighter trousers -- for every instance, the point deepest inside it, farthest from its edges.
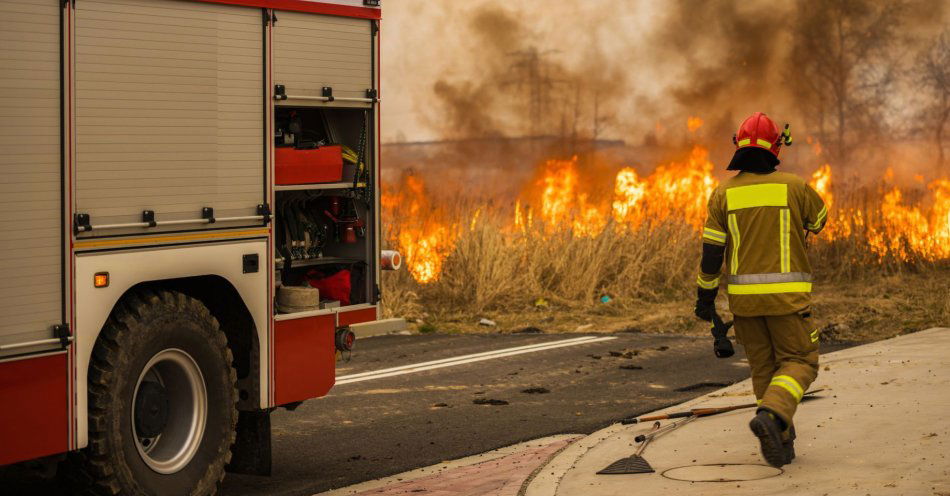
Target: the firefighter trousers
(783, 354)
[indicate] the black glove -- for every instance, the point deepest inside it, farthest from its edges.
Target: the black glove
(706, 303)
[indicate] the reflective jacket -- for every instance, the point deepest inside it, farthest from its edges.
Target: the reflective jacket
(761, 219)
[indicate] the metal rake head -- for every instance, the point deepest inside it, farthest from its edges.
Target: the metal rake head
(630, 465)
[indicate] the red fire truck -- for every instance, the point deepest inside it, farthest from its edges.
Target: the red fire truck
(170, 168)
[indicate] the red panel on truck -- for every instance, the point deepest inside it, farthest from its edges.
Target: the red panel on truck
(356, 316)
(33, 418)
(305, 358)
(317, 165)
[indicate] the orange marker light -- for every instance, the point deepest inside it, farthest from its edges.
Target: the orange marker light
(101, 279)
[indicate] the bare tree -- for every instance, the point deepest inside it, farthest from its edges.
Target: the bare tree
(842, 67)
(934, 69)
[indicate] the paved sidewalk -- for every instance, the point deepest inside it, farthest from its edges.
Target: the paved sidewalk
(881, 427)
(500, 472)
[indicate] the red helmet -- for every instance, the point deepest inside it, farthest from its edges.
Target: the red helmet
(758, 130)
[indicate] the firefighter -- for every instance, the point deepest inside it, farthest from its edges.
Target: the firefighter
(758, 221)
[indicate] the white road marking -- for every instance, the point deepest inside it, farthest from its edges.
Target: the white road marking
(464, 359)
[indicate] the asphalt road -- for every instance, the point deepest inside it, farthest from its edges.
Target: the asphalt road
(374, 428)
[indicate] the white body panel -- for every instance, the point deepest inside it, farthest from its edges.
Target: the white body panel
(128, 268)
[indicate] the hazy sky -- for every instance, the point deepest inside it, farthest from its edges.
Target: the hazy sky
(424, 41)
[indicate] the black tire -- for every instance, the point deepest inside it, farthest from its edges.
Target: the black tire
(144, 326)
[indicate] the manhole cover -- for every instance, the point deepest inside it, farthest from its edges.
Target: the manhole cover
(721, 472)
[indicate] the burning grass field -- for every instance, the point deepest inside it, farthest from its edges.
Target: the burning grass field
(565, 257)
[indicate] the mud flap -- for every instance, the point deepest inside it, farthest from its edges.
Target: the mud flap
(251, 453)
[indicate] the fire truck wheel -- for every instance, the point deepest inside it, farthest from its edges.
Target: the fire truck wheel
(161, 399)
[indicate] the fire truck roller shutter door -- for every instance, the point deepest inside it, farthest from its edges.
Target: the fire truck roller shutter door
(169, 112)
(314, 51)
(30, 190)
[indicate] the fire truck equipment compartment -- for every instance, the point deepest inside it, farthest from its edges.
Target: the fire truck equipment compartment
(335, 287)
(317, 165)
(304, 358)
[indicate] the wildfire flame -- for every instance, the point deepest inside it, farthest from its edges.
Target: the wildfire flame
(907, 232)
(421, 232)
(675, 190)
(561, 200)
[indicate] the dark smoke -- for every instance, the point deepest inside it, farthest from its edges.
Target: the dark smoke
(505, 73)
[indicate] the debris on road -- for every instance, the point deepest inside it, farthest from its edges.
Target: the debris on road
(536, 390)
(528, 330)
(663, 348)
(625, 353)
(487, 323)
(631, 367)
(489, 401)
(703, 385)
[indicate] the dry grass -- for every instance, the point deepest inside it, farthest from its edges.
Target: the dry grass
(555, 282)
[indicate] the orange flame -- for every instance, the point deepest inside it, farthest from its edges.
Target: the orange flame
(419, 229)
(694, 123)
(892, 227)
(562, 199)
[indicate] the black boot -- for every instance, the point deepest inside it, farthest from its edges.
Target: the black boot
(789, 445)
(769, 431)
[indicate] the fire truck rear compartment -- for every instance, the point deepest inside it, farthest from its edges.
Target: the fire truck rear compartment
(322, 234)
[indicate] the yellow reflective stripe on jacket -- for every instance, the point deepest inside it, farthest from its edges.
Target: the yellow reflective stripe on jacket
(820, 220)
(814, 335)
(789, 384)
(713, 284)
(770, 288)
(734, 230)
(757, 195)
(769, 278)
(714, 235)
(784, 239)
